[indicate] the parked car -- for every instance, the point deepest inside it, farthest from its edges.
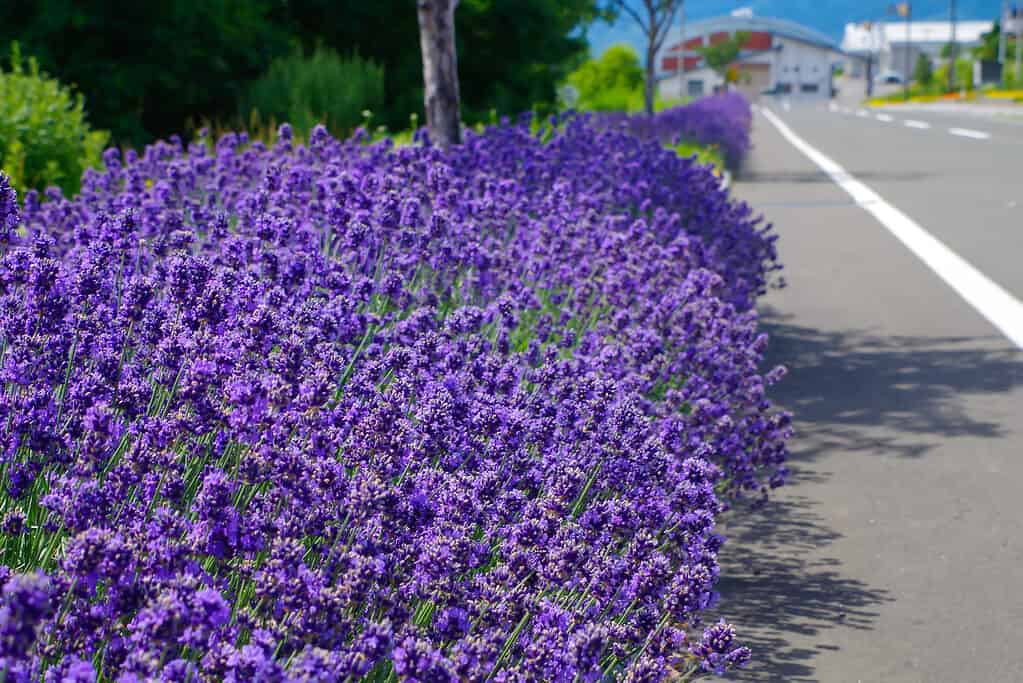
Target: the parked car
(778, 89)
(889, 78)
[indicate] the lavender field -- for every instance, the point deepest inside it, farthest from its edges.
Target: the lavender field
(348, 411)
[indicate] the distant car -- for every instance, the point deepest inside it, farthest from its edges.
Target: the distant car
(889, 78)
(778, 89)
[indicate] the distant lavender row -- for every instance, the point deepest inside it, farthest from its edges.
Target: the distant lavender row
(721, 121)
(346, 411)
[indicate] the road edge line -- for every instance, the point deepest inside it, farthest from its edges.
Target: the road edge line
(988, 298)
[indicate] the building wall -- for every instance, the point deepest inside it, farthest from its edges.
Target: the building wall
(804, 69)
(696, 83)
(894, 58)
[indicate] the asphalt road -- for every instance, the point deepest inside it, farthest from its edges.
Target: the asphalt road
(896, 554)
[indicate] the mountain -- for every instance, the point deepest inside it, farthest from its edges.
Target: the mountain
(827, 16)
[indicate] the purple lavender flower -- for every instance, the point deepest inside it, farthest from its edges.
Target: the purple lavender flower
(9, 213)
(291, 412)
(28, 601)
(717, 651)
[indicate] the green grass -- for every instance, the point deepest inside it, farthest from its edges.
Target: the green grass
(703, 154)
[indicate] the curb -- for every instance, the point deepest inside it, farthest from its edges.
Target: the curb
(726, 180)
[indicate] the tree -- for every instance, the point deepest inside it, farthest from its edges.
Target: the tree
(514, 52)
(723, 54)
(923, 73)
(609, 83)
(147, 67)
(987, 51)
(655, 18)
(440, 70)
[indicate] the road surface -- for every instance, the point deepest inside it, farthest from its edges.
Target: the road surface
(896, 554)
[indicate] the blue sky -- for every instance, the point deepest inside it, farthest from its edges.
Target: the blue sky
(827, 16)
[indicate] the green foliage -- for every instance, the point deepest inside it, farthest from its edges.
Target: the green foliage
(923, 73)
(964, 73)
(146, 67)
(662, 103)
(512, 54)
(1010, 79)
(44, 137)
(704, 154)
(988, 48)
(721, 55)
(614, 82)
(321, 88)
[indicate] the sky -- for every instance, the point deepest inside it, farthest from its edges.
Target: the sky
(827, 16)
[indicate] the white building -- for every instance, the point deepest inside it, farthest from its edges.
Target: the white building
(892, 43)
(779, 55)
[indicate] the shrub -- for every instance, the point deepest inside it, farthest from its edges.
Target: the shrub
(923, 73)
(614, 82)
(352, 411)
(719, 121)
(964, 73)
(322, 88)
(1010, 79)
(44, 137)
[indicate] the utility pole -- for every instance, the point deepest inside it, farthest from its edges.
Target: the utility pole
(870, 74)
(909, 49)
(1017, 21)
(871, 46)
(1002, 32)
(905, 10)
(953, 52)
(681, 50)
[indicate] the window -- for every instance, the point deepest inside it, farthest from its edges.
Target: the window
(808, 87)
(784, 88)
(694, 88)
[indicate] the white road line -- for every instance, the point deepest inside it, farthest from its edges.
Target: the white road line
(967, 133)
(787, 105)
(832, 106)
(922, 125)
(885, 118)
(863, 113)
(989, 299)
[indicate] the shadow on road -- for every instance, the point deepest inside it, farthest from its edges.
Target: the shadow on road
(787, 177)
(861, 394)
(776, 585)
(885, 395)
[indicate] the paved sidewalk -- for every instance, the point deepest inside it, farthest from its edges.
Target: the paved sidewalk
(896, 553)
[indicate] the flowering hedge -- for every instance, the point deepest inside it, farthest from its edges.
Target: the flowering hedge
(342, 411)
(722, 121)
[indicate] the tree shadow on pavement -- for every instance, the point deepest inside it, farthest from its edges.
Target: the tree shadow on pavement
(788, 596)
(885, 395)
(749, 176)
(775, 585)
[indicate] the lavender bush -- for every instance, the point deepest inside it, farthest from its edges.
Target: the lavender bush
(722, 121)
(346, 411)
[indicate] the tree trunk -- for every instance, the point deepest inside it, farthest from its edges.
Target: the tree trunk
(650, 82)
(440, 70)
